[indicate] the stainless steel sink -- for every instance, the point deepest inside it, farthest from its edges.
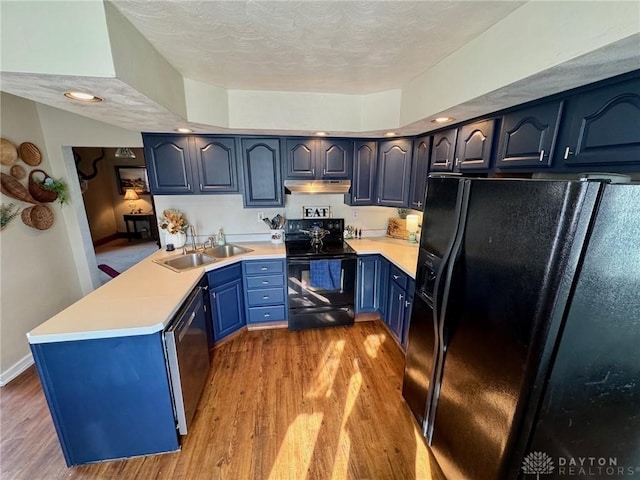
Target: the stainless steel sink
(225, 251)
(186, 262)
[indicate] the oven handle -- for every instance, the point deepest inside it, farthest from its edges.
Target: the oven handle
(306, 260)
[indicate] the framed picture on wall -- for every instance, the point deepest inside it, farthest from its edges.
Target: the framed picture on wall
(132, 177)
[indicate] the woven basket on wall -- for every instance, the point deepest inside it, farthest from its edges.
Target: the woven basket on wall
(14, 189)
(37, 191)
(38, 216)
(30, 154)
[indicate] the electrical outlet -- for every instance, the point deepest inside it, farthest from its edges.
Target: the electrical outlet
(260, 216)
(354, 213)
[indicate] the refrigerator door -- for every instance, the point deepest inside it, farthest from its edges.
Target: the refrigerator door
(442, 210)
(501, 297)
(591, 407)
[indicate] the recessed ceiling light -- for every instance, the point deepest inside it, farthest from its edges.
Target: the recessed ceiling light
(184, 130)
(82, 97)
(321, 134)
(390, 134)
(442, 120)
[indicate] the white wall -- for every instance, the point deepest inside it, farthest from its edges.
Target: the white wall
(209, 213)
(38, 277)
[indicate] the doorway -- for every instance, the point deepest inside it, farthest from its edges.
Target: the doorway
(118, 205)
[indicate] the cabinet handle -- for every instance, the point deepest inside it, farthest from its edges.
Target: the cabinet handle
(395, 277)
(205, 288)
(188, 186)
(265, 282)
(378, 199)
(446, 164)
(419, 204)
(406, 304)
(541, 155)
(400, 296)
(567, 152)
(264, 269)
(213, 294)
(266, 315)
(201, 187)
(457, 160)
(265, 297)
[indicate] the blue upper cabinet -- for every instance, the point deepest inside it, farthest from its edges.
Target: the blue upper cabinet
(168, 164)
(602, 126)
(182, 164)
(310, 158)
(262, 172)
(334, 158)
(443, 150)
(301, 158)
(528, 136)
(419, 172)
(216, 164)
(363, 176)
(474, 146)
(394, 171)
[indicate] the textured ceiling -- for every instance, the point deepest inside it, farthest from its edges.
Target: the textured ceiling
(313, 46)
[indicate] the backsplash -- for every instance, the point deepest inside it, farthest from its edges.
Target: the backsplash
(208, 213)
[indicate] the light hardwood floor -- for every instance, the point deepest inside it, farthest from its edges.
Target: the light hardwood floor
(314, 404)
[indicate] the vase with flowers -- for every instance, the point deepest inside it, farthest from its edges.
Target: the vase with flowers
(174, 224)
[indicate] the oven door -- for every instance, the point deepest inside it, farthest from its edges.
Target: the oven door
(321, 291)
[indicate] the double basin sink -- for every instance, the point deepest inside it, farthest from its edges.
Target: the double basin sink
(205, 257)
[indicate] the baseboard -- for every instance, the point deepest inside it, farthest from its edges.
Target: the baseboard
(16, 369)
(107, 239)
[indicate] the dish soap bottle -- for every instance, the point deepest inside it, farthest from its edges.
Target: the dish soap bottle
(221, 239)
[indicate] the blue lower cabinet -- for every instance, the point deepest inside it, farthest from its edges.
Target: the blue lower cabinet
(227, 300)
(396, 310)
(407, 313)
(109, 397)
(371, 292)
(265, 291)
(399, 302)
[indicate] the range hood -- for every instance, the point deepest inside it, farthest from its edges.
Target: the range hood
(317, 186)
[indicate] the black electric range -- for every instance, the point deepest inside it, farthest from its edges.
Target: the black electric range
(321, 277)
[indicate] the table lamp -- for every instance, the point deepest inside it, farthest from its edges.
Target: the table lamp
(131, 195)
(412, 227)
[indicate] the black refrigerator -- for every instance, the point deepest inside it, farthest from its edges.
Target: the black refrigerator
(523, 355)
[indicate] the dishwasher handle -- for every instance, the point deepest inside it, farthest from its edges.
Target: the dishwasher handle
(181, 324)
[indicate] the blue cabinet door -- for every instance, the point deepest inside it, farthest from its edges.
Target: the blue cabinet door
(215, 164)
(227, 307)
(475, 146)
(396, 310)
(262, 172)
(419, 172)
(367, 288)
(334, 158)
(602, 126)
(394, 171)
(301, 156)
(384, 287)
(168, 159)
(363, 176)
(443, 150)
(528, 136)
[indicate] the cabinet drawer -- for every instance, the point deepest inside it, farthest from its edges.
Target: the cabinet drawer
(266, 296)
(398, 276)
(263, 267)
(265, 281)
(224, 275)
(273, 313)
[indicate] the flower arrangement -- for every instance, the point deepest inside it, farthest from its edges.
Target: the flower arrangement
(57, 186)
(173, 221)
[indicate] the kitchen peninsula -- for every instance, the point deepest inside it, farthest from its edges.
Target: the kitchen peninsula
(102, 364)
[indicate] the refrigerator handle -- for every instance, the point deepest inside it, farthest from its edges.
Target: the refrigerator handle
(440, 301)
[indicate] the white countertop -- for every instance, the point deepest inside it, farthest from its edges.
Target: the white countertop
(143, 299)
(399, 252)
(140, 301)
